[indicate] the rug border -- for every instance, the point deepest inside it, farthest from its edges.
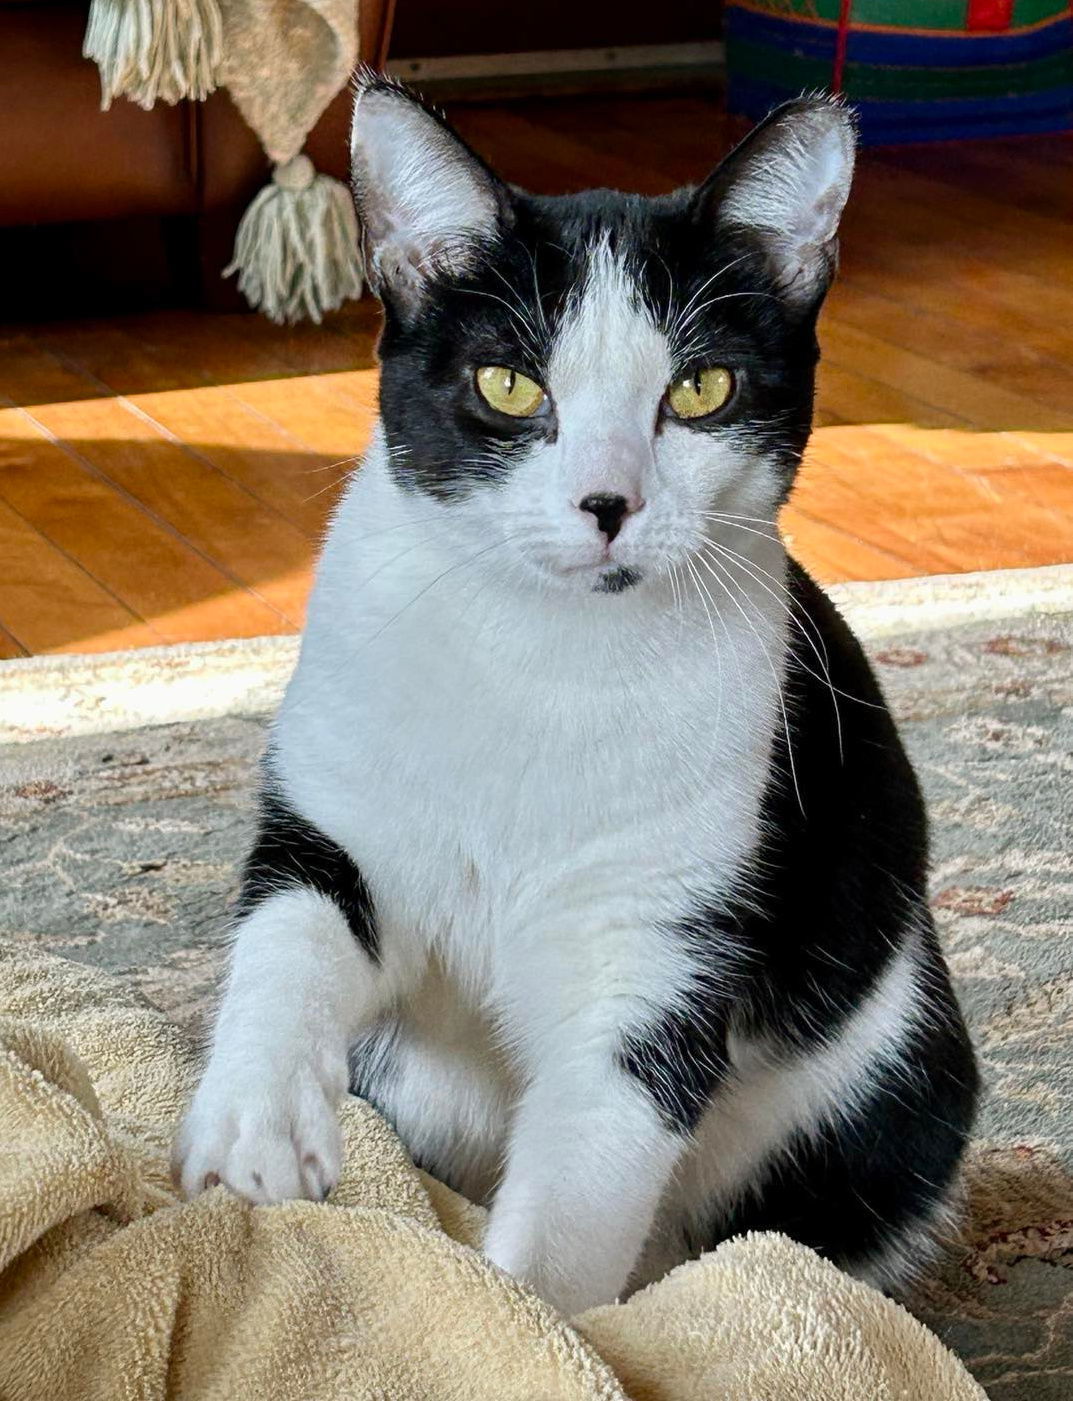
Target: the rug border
(54, 697)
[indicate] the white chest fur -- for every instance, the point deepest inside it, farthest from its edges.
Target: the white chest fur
(504, 765)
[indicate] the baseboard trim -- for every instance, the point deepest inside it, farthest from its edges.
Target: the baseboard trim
(557, 62)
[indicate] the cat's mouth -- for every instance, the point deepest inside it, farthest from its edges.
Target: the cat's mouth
(606, 576)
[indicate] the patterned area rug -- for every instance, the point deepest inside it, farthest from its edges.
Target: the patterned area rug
(118, 849)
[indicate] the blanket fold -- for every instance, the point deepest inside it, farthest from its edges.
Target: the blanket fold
(110, 1287)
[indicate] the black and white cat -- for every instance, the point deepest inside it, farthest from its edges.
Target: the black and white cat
(586, 834)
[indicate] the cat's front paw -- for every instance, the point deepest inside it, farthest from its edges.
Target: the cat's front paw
(271, 1137)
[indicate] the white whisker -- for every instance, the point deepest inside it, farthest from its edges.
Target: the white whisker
(823, 660)
(730, 593)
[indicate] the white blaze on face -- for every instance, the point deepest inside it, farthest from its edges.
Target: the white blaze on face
(608, 371)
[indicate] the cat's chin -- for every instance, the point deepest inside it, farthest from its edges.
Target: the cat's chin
(605, 577)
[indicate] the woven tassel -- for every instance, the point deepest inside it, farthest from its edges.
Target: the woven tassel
(297, 250)
(154, 50)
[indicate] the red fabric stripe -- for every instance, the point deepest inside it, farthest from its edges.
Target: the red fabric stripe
(989, 16)
(840, 44)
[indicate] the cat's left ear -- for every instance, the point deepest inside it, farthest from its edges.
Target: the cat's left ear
(787, 183)
(426, 202)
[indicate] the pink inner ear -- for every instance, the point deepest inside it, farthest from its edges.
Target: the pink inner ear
(789, 181)
(422, 196)
(791, 174)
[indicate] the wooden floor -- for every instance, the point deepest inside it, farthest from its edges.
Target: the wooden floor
(165, 477)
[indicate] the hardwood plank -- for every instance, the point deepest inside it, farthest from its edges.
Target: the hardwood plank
(945, 257)
(254, 546)
(1022, 173)
(989, 220)
(985, 297)
(942, 386)
(674, 141)
(149, 568)
(872, 483)
(48, 603)
(52, 381)
(837, 556)
(851, 491)
(1046, 486)
(332, 414)
(971, 541)
(1028, 358)
(9, 648)
(966, 451)
(854, 398)
(245, 445)
(519, 148)
(1054, 446)
(345, 339)
(230, 350)
(823, 416)
(253, 450)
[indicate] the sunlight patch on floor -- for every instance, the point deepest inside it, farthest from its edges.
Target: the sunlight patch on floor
(935, 500)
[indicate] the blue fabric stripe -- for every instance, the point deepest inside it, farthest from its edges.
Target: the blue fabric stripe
(896, 49)
(947, 120)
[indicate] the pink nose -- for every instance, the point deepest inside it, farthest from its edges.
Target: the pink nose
(610, 510)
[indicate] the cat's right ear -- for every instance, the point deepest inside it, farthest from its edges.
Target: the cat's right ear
(427, 204)
(787, 183)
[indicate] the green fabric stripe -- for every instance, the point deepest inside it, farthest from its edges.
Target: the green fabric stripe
(1026, 12)
(868, 81)
(802, 9)
(925, 14)
(922, 14)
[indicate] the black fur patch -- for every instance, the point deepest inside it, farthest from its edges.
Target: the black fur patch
(861, 1182)
(290, 852)
(617, 580)
(835, 886)
(683, 1058)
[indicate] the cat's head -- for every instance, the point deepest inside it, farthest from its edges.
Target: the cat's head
(588, 381)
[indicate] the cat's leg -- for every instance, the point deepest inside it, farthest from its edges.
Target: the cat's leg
(264, 1118)
(307, 975)
(435, 1071)
(597, 1135)
(850, 1142)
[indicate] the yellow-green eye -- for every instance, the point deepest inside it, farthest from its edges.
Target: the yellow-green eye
(700, 392)
(509, 391)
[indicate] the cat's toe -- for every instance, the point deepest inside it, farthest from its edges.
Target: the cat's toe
(264, 1147)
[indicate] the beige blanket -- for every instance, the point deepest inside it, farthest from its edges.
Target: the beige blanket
(113, 1289)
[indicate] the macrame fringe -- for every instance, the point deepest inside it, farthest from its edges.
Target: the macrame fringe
(297, 250)
(154, 50)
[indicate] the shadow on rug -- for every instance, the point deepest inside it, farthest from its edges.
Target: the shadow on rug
(119, 851)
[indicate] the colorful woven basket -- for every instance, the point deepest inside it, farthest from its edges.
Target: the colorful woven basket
(926, 70)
